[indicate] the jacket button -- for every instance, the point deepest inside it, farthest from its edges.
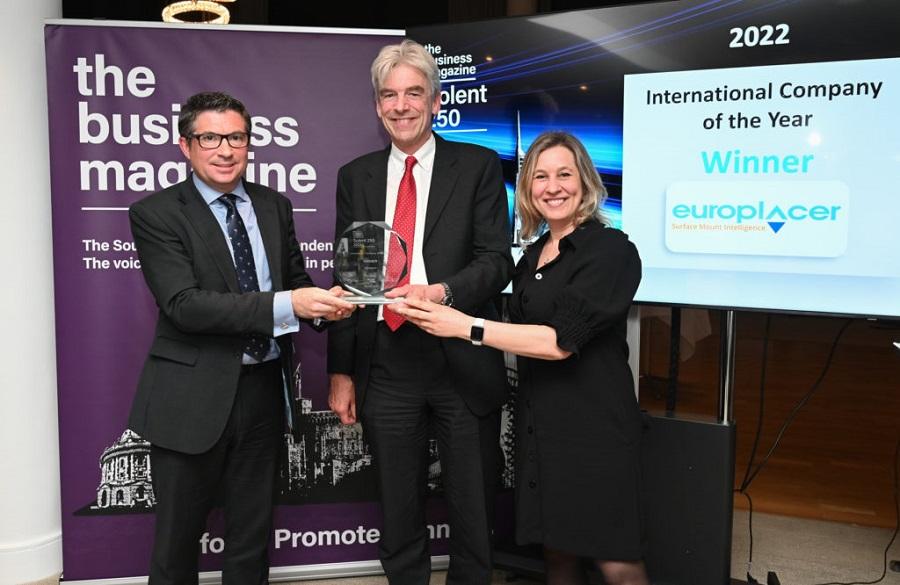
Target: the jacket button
(530, 430)
(532, 484)
(538, 276)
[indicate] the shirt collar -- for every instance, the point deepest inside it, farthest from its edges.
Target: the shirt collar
(424, 156)
(579, 234)
(210, 195)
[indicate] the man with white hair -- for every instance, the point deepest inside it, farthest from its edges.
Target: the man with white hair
(448, 202)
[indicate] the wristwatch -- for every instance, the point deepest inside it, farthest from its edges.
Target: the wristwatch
(476, 334)
(447, 299)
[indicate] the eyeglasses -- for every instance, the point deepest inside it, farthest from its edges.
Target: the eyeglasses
(211, 140)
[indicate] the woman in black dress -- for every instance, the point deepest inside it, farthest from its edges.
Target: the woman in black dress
(578, 422)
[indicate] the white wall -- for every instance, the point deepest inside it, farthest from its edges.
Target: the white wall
(30, 538)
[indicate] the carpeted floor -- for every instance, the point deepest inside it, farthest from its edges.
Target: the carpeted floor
(800, 551)
(809, 552)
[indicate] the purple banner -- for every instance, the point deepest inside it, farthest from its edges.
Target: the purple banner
(114, 99)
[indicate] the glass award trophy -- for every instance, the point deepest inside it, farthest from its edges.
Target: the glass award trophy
(361, 261)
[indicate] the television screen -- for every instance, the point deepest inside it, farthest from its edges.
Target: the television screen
(751, 149)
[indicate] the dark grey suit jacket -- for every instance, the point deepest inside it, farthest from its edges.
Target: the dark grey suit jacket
(189, 380)
(465, 244)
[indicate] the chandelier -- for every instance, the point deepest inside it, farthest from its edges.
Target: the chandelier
(211, 12)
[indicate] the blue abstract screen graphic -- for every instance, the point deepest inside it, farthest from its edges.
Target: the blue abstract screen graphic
(750, 148)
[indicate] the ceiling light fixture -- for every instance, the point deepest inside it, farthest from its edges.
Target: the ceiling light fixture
(214, 11)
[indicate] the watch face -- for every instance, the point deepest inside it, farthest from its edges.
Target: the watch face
(477, 334)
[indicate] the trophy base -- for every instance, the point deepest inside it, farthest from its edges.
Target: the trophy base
(363, 300)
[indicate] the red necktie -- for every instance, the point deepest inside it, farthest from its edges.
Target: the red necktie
(405, 226)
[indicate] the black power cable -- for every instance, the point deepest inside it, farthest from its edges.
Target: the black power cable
(750, 578)
(750, 476)
(745, 483)
(759, 420)
(799, 406)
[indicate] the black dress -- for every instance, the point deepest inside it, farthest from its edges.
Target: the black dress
(578, 422)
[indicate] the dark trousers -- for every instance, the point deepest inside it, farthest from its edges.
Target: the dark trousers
(410, 396)
(241, 468)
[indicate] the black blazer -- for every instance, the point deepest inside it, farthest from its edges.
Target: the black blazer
(188, 383)
(465, 244)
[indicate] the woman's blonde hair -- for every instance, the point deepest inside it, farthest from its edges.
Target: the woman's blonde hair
(593, 191)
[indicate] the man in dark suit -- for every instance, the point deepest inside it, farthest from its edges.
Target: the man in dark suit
(222, 261)
(448, 201)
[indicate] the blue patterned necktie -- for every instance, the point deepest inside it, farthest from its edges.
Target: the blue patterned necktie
(257, 345)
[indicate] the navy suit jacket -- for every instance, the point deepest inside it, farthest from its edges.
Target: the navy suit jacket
(188, 383)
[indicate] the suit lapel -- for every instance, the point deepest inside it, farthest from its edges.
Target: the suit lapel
(201, 218)
(443, 179)
(375, 188)
(270, 228)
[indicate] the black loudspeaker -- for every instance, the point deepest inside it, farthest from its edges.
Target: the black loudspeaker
(688, 478)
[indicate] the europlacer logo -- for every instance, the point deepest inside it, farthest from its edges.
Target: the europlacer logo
(765, 218)
(772, 214)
